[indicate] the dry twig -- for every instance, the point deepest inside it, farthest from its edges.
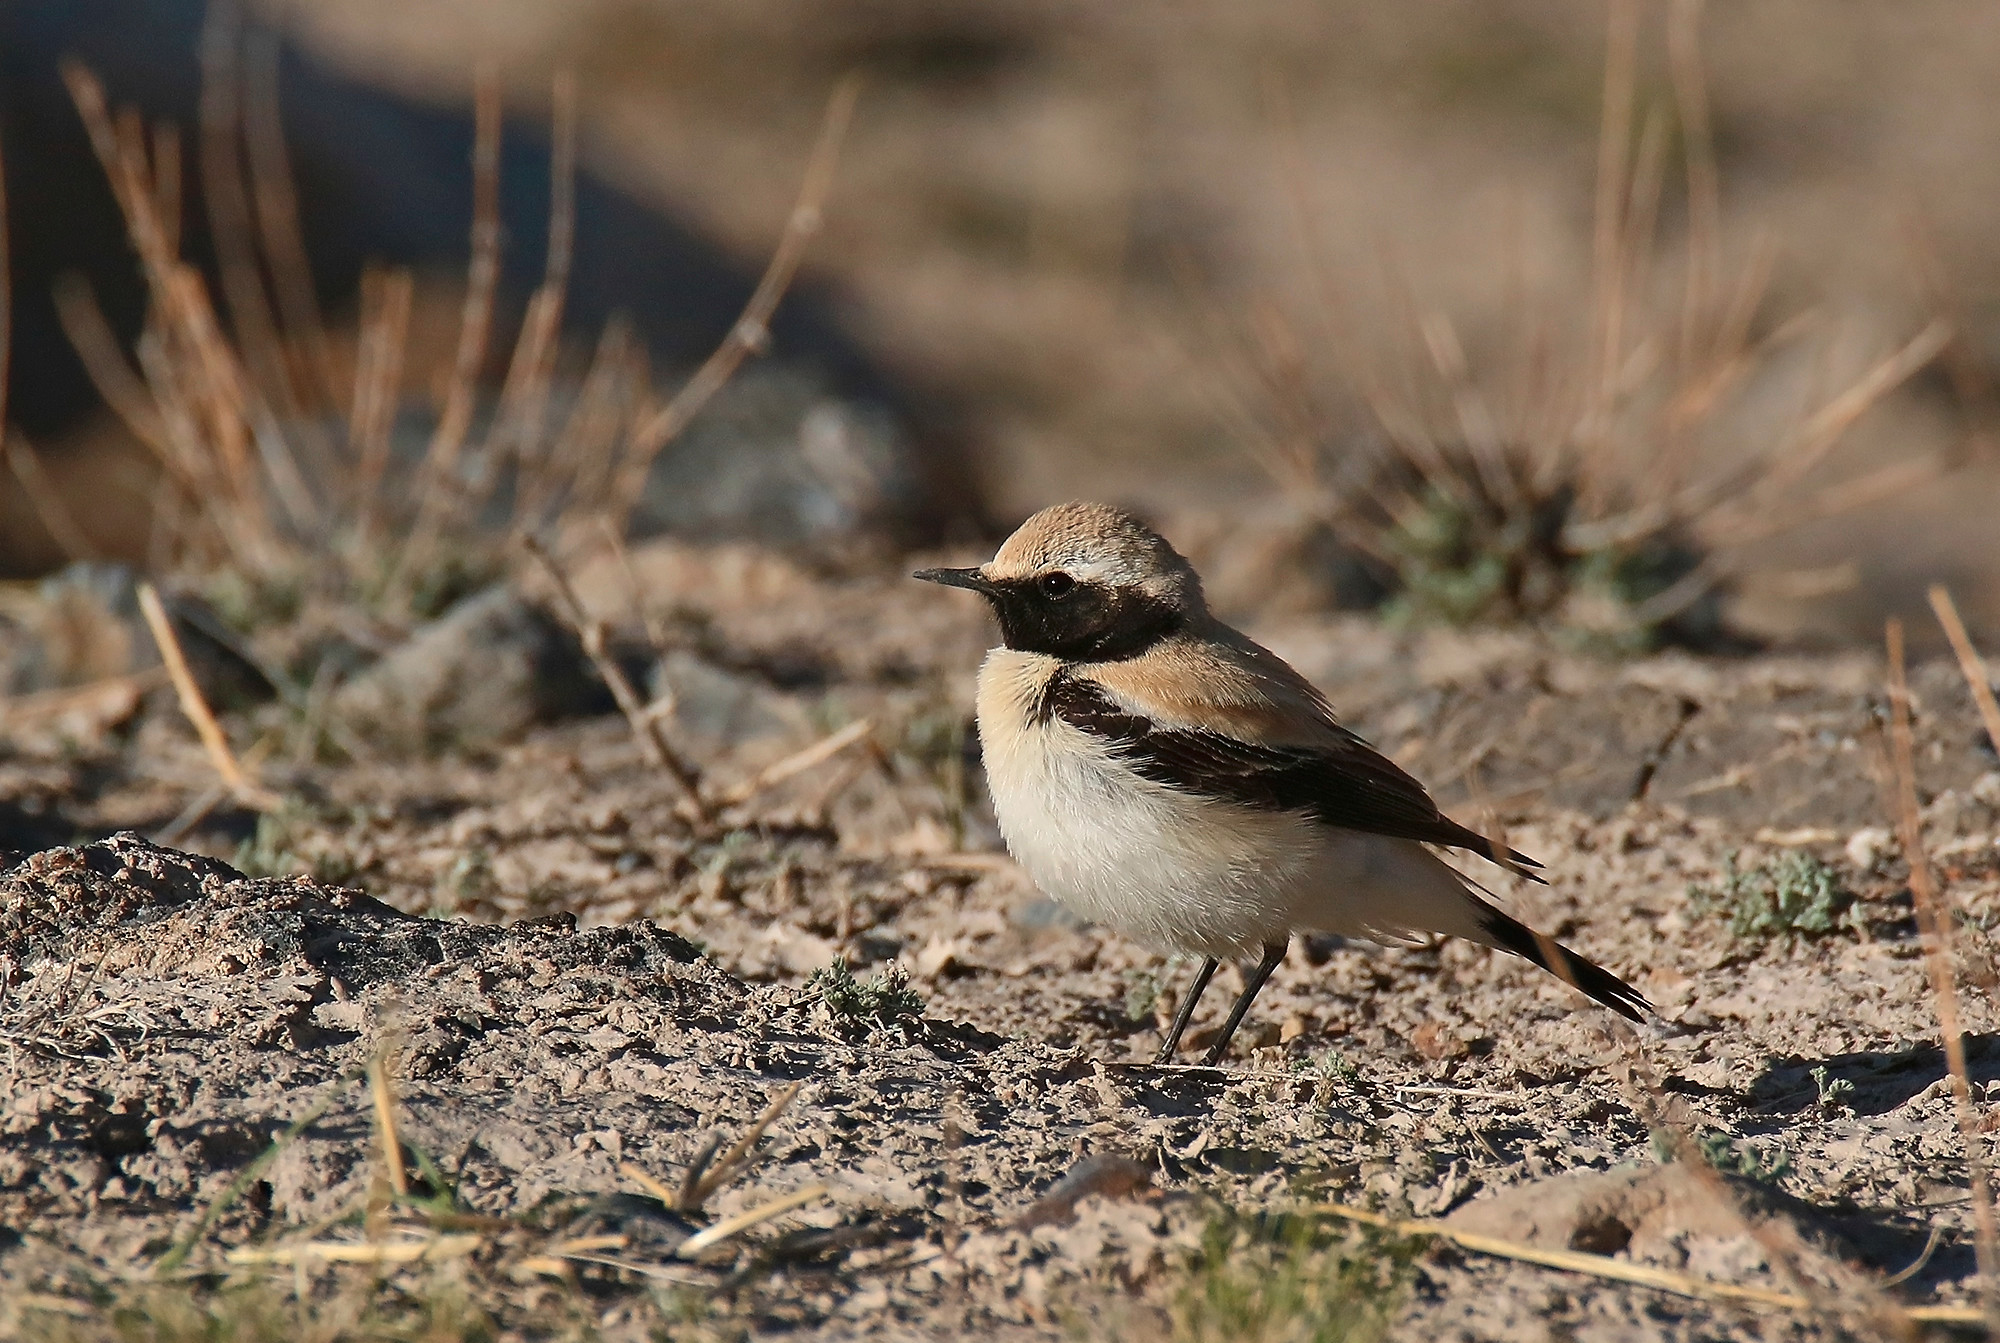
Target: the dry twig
(1969, 662)
(1936, 919)
(743, 1221)
(752, 331)
(652, 738)
(798, 762)
(437, 486)
(385, 1120)
(1615, 1270)
(702, 1186)
(429, 1248)
(247, 790)
(50, 507)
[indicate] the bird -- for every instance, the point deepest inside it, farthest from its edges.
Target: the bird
(1157, 771)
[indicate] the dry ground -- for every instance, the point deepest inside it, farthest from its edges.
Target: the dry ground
(590, 985)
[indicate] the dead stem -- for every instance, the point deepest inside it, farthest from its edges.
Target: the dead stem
(1779, 1239)
(737, 1158)
(104, 362)
(228, 203)
(652, 738)
(437, 482)
(384, 1101)
(797, 763)
(1608, 236)
(1704, 184)
(167, 180)
(247, 790)
(277, 205)
(49, 505)
(639, 1176)
(1969, 662)
(752, 330)
(1936, 919)
(656, 633)
(1613, 1270)
(743, 1221)
(524, 397)
(378, 381)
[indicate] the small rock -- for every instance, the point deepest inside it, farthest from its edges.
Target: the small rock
(481, 674)
(1435, 1040)
(1868, 846)
(718, 710)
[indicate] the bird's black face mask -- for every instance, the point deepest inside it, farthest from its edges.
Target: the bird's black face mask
(1064, 617)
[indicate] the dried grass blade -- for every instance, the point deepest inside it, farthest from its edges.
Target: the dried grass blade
(1608, 236)
(451, 1245)
(1820, 433)
(574, 464)
(1614, 1270)
(167, 179)
(1935, 919)
(752, 331)
(639, 1176)
(378, 382)
(689, 1197)
(1704, 182)
(1844, 497)
(799, 762)
(178, 1255)
(272, 191)
(246, 789)
(228, 203)
(725, 1170)
(652, 739)
(737, 1225)
(438, 486)
(384, 1101)
(50, 508)
(1969, 661)
(104, 362)
(1475, 420)
(524, 397)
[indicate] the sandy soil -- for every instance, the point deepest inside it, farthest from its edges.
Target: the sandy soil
(576, 981)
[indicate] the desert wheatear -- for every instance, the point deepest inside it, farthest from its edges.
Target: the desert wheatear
(1159, 772)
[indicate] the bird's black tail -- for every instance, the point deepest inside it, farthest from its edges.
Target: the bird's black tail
(1512, 935)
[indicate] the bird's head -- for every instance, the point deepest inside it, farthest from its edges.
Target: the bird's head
(1084, 582)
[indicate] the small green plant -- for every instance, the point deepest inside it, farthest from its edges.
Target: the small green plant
(1764, 1162)
(885, 1000)
(1833, 1091)
(432, 1310)
(1289, 1280)
(1329, 1069)
(278, 848)
(1142, 995)
(1795, 895)
(272, 849)
(1470, 558)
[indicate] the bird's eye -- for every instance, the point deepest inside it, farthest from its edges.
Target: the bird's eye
(1057, 586)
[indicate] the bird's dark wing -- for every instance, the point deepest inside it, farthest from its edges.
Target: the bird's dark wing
(1350, 784)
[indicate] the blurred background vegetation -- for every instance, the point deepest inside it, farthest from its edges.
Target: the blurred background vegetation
(1337, 276)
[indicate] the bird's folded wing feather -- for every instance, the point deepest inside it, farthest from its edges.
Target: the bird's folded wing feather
(1338, 778)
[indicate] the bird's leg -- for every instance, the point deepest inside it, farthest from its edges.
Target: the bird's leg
(1273, 954)
(1186, 1012)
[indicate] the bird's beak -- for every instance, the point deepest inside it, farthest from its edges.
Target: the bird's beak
(974, 579)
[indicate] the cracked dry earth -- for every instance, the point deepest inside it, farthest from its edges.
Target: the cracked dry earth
(578, 985)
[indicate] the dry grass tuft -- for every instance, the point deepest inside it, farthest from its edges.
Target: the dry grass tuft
(289, 459)
(1937, 920)
(1623, 476)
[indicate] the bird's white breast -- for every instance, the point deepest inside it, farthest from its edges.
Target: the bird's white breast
(1165, 867)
